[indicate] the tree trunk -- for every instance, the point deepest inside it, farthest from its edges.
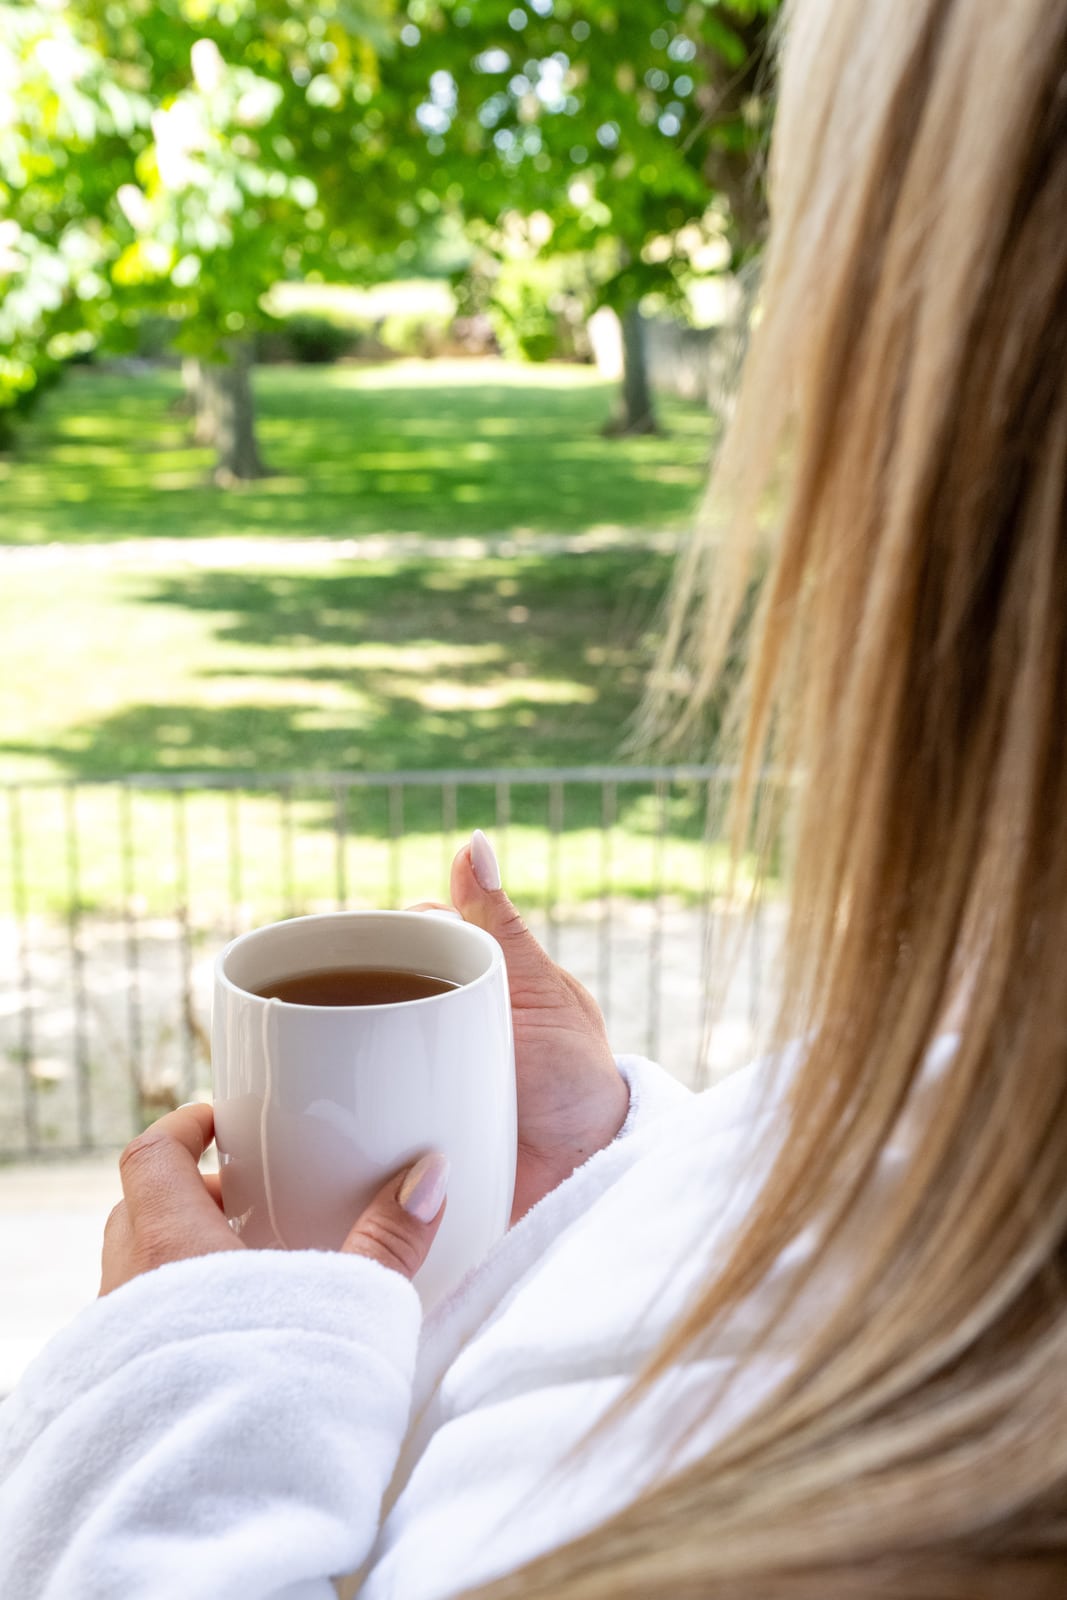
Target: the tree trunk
(225, 414)
(637, 414)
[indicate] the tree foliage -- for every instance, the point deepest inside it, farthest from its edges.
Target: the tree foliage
(249, 103)
(180, 156)
(608, 127)
(66, 125)
(166, 156)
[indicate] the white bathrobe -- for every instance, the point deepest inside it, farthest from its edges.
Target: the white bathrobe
(255, 1424)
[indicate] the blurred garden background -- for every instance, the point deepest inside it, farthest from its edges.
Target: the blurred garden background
(361, 362)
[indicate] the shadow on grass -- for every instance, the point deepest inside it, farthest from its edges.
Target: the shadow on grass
(426, 448)
(442, 665)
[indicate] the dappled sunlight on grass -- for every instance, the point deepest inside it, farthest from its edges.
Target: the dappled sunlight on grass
(422, 656)
(437, 448)
(477, 374)
(490, 696)
(379, 666)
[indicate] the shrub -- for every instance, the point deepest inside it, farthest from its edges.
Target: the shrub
(315, 340)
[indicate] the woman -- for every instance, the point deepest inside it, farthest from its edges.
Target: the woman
(805, 1335)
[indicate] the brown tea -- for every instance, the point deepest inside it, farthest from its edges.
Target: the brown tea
(354, 986)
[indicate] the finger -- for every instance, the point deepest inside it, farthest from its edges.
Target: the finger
(213, 1184)
(401, 1222)
(159, 1169)
(115, 1246)
(476, 891)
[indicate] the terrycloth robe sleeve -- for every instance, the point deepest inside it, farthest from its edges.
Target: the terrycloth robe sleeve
(222, 1426)
(654, 1093)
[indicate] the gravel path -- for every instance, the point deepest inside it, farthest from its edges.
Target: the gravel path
(254, 551)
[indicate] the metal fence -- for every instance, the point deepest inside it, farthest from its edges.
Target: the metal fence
(115, 896)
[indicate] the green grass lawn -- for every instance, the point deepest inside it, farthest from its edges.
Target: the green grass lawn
(349, 666)
(436, 448)
(366, 666)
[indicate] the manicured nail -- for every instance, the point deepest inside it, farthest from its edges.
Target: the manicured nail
(484, 861)
(422, 1193)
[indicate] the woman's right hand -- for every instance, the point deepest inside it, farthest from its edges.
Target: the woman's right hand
(572, 1100)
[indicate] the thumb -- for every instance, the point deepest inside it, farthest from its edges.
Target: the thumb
(401, 1222)
(477, 895)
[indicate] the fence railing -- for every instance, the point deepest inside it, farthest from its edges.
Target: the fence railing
(116, 895)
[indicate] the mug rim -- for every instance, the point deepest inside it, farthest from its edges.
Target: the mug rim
(496, 959)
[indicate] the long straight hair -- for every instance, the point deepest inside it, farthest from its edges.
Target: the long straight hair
(896, 476)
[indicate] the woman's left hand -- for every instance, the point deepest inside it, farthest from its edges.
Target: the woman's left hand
(171, 1210)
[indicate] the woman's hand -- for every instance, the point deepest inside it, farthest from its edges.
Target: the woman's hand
(171, 1210)
(572, 1100)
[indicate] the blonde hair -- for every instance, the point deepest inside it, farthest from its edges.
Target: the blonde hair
(904, 406)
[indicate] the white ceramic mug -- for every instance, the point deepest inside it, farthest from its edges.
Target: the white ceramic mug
(316, 1105)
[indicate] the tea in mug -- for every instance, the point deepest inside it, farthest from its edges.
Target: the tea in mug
(354, 986)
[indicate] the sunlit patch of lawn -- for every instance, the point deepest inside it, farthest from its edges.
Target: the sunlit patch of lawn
(436, 448)
(373, 666)
(361, 668)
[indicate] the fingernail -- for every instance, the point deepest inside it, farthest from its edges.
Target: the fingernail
(422, 1193)
(484, 861)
